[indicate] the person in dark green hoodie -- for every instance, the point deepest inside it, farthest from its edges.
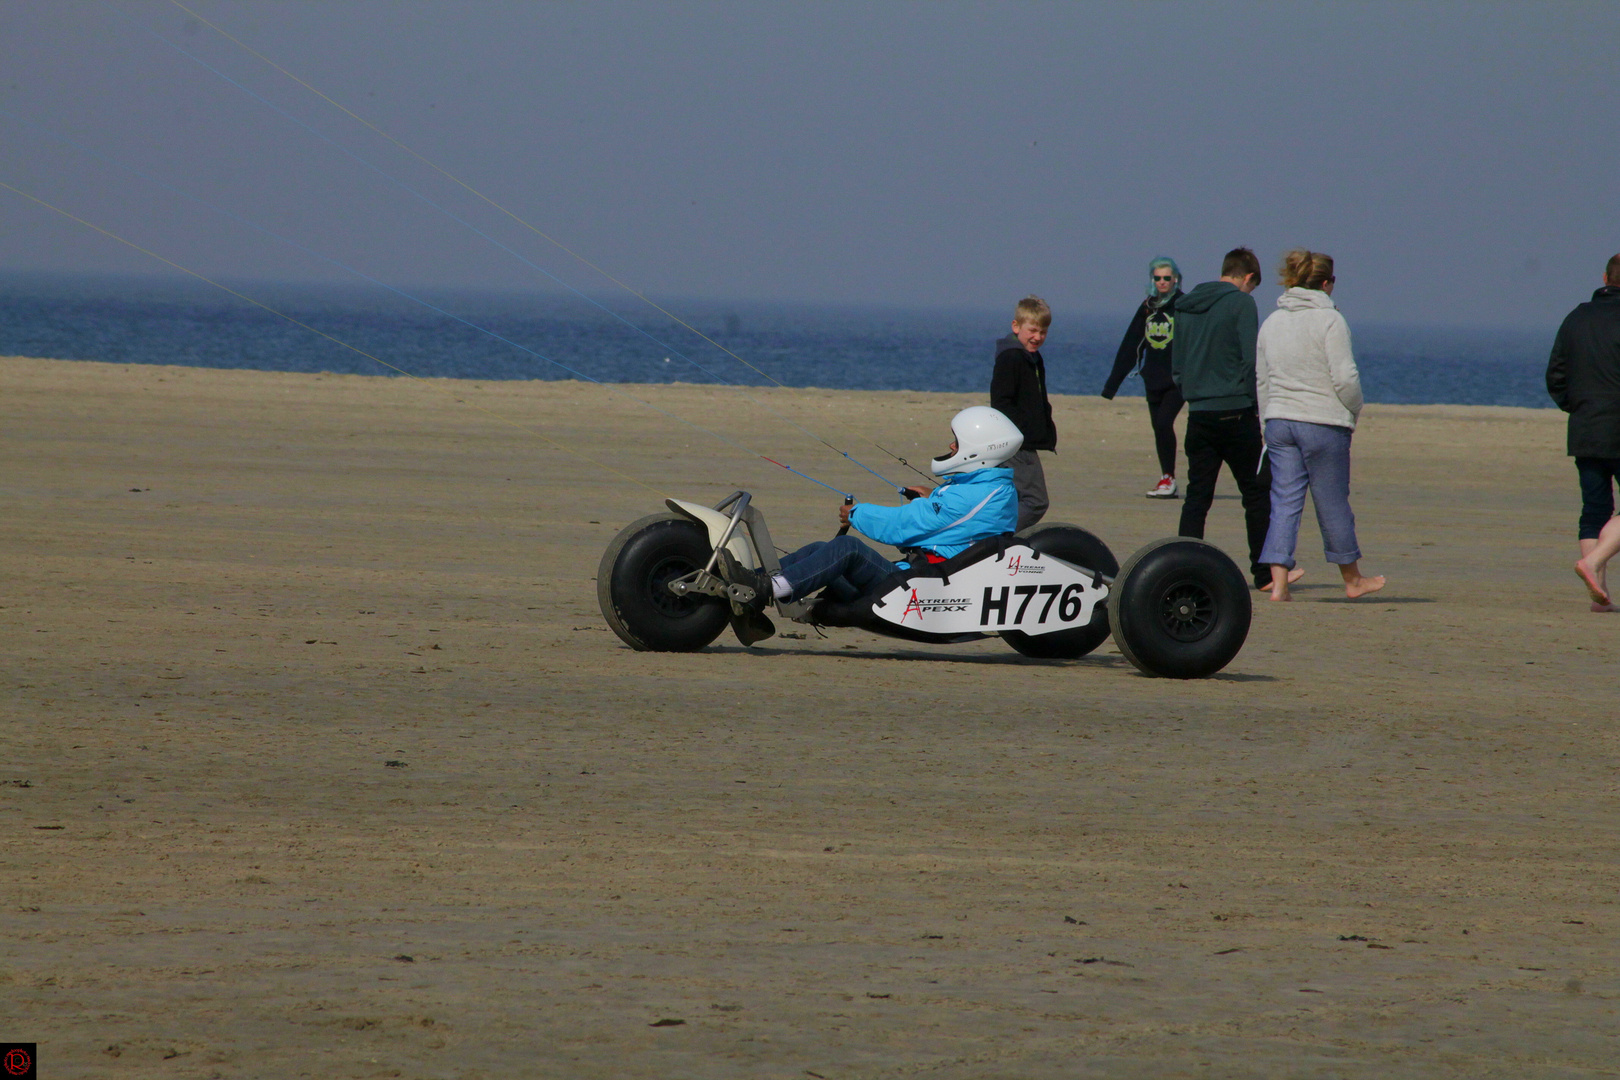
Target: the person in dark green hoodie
(1213, 365)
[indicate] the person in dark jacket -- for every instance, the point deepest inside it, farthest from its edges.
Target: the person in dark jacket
(1146, 350)
(1213, 366)
(1583, 377)
(1018, 391)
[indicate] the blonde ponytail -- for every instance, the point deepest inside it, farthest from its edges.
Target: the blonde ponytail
(1305, 269)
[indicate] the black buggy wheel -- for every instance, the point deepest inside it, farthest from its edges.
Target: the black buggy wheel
(1180, 609)
(1074, 545)
(631, 586)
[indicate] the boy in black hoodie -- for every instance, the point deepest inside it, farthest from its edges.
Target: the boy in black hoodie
(1018, 391)
(1213, 364)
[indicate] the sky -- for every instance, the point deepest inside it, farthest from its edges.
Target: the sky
(1457, 160)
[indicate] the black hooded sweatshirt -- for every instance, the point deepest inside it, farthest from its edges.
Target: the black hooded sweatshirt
(1148, 341)
(1018, 391)
(1583, 375)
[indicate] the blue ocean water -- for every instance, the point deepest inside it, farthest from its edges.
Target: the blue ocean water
(140, 321)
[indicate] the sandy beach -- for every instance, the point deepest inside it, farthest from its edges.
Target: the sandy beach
(319, 760)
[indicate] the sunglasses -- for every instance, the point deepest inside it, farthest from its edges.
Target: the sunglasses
(1164, 277)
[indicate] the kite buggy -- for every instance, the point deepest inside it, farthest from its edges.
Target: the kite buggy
(1178, 608)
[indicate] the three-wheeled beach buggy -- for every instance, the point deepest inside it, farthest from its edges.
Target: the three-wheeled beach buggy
(1178, 608)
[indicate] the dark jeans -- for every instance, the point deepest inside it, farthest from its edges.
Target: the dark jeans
(1163, 408)
(1233, 438)
(1598, 477)
(843, 564)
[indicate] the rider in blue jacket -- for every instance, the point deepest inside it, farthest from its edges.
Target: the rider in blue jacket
(976, 500)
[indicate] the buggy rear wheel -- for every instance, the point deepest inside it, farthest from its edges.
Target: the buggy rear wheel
(1180, 609)
(632, 586)
(1074, 545)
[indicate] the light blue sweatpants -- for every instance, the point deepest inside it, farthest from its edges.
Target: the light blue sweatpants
(1316, 456)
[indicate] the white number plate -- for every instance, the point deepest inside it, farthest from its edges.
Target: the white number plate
(1023, 590)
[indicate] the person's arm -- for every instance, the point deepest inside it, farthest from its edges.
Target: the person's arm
(1129, 349)
(901, 526)
(1262, 374)
(1248, 326)
(1342, 365)
(1004, 385)
(1558, 369)
(1178, 349)
(1043, 406)
(1248, 331)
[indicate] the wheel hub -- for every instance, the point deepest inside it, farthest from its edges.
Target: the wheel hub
(1187, 611)
(663, 598)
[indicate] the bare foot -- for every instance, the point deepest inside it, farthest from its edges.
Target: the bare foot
(1593, 586)
(1605, 607)
(1279, 593)
(1362, 586)
(1293, 575)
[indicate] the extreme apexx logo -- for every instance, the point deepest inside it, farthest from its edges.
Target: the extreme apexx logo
(935, 606)
(1016, 565)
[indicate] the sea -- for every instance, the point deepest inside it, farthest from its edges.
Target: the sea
(490, 335)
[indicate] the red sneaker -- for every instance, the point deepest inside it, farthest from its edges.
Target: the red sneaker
(1164, 489)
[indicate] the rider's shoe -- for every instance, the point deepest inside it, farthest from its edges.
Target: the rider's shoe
(1164, 489)
(735, 573)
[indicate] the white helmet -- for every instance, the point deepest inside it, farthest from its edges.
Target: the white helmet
(985, 439)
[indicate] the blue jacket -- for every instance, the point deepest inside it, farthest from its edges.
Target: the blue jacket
(966, 508)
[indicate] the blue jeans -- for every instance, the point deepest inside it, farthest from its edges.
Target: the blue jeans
(1598, 476)
(1316, 456)
(843, 563)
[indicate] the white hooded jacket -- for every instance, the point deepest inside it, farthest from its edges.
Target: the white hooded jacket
(1304, 369)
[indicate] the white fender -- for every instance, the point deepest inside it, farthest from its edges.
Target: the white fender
(740, 544)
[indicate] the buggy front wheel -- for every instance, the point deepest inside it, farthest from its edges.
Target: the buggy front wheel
(632, 585)
(1180, 609)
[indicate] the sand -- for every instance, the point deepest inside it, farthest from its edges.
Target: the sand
(320, 761)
